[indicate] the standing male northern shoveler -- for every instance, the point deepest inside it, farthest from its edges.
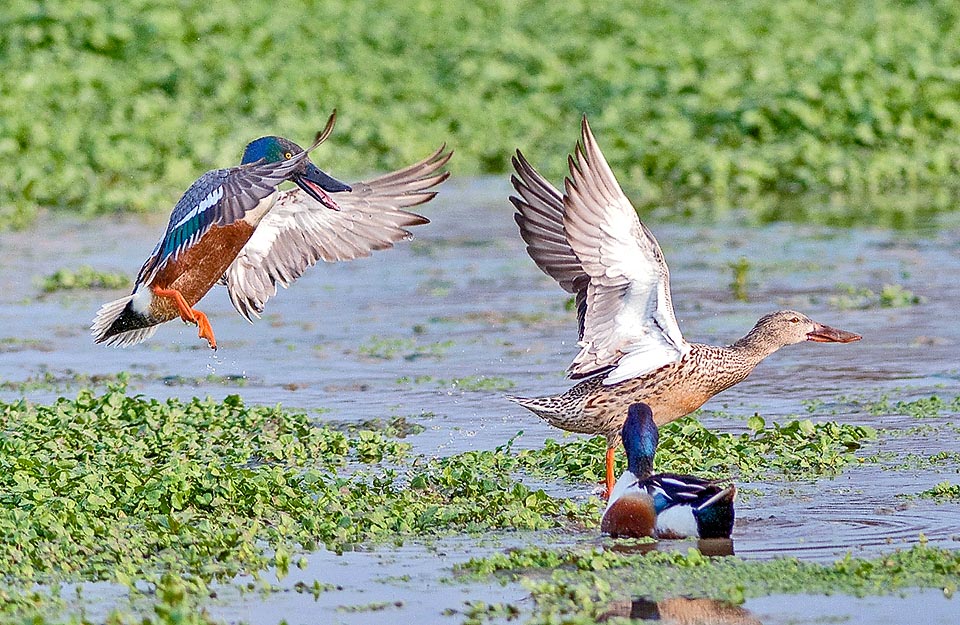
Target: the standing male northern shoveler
(234, 226)
(591, 241)
(665, 505)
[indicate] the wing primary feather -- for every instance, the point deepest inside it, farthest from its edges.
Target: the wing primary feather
(298, 232)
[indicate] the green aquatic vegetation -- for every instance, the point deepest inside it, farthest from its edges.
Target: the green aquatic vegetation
(232, 379)
(65, 379)
(17, 344)
(738, 286)
(578, 585)
(895, 296)
(376, 606)
(890, 296)
(46, 380)
(799, 450)
(522, 560)
(119, 487)
(121, 105)
(390, 348)
(491, 383)
(83, 277)
(944, 492)
(316, 588)
(394, 427)
(938, 461)
(923, 407)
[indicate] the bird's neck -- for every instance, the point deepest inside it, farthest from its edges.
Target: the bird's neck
(641, 466)
(730, 365)
(754, 347)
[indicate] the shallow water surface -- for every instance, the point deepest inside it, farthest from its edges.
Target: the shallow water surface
(439, 328)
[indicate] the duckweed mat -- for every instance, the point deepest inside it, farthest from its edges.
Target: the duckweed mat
(698, 105)
(169, 497)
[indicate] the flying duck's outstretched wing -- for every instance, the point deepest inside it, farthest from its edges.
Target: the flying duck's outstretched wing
(540, 217)
(219, 197)
(298, 231)
(629, 322)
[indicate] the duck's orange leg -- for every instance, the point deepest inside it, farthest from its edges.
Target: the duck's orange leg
(610, 480)
(190, 315)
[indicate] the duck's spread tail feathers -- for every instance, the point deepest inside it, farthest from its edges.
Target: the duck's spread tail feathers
(562, 411)
(118, 324)
(542, 406)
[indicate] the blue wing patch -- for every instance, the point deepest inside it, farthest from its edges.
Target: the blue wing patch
(219, 197)
(197, 220)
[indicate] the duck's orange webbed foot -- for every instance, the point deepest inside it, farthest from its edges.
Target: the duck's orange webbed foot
(206, 332)
(189, 315)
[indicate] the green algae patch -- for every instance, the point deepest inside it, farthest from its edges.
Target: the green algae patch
(391, 348)
(797, 450)
(471, 384)
(83, 277)
(889, 296)
(923, 407)
(578, 585)
(118, 487)
(920, 408)
(713, 103)
(944, 492)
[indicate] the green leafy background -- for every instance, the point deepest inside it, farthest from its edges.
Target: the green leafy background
(112, 106)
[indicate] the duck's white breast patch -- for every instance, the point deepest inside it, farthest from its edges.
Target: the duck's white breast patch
(255, 214)
(626, 484)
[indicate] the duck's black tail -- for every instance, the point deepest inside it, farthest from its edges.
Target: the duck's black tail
(118, 324)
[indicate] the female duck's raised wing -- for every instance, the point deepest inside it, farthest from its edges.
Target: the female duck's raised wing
(540, 217)
(298, 231)
(629, 322)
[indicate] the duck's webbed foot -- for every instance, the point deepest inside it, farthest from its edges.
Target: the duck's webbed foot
(189, 315)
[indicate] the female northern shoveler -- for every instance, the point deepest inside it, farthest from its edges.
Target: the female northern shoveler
(591, 241)
(234, 226)
(665, 505)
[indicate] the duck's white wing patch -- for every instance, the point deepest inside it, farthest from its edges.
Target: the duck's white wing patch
(677, 521)
(299, 231)
(629, 322)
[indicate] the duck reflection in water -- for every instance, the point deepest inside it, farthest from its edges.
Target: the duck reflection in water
(680, 611)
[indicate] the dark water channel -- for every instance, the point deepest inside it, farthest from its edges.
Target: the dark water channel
(392, 335)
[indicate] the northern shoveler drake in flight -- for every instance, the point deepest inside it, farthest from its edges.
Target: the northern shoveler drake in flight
(663, 505)
(590, 240)
(234, 226)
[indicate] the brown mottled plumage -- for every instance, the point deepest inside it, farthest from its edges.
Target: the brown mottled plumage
(591, 241)
(673, 390)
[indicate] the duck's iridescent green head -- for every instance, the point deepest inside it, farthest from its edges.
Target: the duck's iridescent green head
(640, 438)
(315, 182)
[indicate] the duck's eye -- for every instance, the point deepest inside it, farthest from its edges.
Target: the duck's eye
(288, 155)
(795, 320)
